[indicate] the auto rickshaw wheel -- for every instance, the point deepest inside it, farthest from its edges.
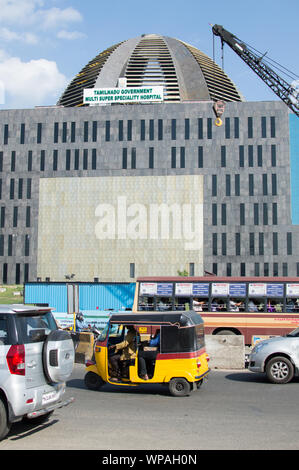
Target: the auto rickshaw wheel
(93, 381)
(179, 387)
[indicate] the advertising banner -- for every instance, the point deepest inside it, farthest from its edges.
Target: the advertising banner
(97, 96)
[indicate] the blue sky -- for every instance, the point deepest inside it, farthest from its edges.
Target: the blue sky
(44, 43)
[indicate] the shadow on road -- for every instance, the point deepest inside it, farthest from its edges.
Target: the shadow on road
(23, 429)
(251, 377)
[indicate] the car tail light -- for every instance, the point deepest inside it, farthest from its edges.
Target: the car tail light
(16, 359)
(208, 357)
(198, 364)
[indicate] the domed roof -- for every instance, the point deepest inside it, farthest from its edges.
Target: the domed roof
(186, 73)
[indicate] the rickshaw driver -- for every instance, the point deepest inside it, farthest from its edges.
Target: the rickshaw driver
(128, 348)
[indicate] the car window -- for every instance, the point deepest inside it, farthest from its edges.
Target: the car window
(3, 331)
(35, 328)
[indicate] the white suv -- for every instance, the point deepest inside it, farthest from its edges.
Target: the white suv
(35, 360)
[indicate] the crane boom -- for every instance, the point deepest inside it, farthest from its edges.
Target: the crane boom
(286, 92)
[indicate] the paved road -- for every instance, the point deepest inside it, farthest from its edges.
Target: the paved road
(234, 410)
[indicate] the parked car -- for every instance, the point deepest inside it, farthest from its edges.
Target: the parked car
(278, 357)
(36, 358)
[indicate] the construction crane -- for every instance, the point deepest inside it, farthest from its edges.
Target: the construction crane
(288, 93)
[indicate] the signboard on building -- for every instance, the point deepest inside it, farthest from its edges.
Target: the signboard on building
(97, 96)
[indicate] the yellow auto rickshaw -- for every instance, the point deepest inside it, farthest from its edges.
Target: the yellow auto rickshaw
(176, 356)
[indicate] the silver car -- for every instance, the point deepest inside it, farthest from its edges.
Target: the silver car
(278, 357)
(35, 360)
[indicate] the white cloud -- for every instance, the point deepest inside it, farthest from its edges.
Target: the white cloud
(70, 35)
(7, 35)
(55, 17)
(32, 83)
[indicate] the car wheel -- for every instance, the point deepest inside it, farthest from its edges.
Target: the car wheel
(179, 387)
(280, 370)
(93, 381)
(4, 425)
(58, 356)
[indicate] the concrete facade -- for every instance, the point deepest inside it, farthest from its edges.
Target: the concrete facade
(243, 171)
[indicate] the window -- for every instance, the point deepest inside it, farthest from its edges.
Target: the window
(142, 129)
(275, 243)
(125, 159)
(256, 213)
(12, 189)
(200, 128)
(56, 130)
(223, 156)
(241, 156)
(182, 157)
(261, 244)
(94, 131)
(121, 130)
(223, 237)
(133, 158)
(29, 160)
(22, 136)
(73, 131)
(265, 213)
(274, 213)
(227, 185)
(2, 217)
(29, 181)
(1, 161)
(4, 276)
(151, 158)
(85, 132)
(266, 269)
(18, 273)
(251, 244)
(251, 184)
(13, 161)
(76, 160)
(273, 155)
(94, 159)
(250, 155)
(274, 185)
(242, 214)
(214, 214)
(15, 217)
(259, 155)
(5, 135)
(64, 132)
(214, 244)
(250, 127)
(26, 245)
(20, 188)
(173, 129)
(285, 269)
(214, 185)
(26, 272)
(223, 214)
(39, 133)
(289, 243)
(191, 269)
(200, 157)
(160, 129)
(215, 268)
(209, 128)
(107, 131)
(9, 247)
(151, 130)
(228, 269)
(173, 157)
(265, 184)
(42, 160)
(264, 126)
(68, 160)
(238, 244)
(242, 269)
(275, 269)
(55, 160)
(237, 128)
(28, 216)
(272, 126)
(237, 185)
(187, 129)
(227, 128)
(1, 246)
(132, 270)
(256, 269)
(129, 130)
(85, 159)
